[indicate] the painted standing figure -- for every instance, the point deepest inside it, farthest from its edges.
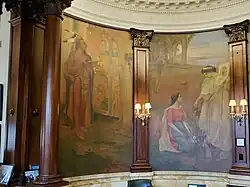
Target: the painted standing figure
(78, 73)
(213, 119)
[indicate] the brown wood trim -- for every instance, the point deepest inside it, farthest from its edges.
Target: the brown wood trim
(49, 169)
(18, 94)
(36, 69)
(237, 44)
(26, 17)
(141, 41)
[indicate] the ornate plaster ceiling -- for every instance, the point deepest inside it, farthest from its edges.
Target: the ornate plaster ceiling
(162, 15)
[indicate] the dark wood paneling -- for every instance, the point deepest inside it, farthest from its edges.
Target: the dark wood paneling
(33, 83)
(36, 70)
(237, 44)
(141, 41)
(22, 147)
(10, 154)
(238, 59)
(18, 94)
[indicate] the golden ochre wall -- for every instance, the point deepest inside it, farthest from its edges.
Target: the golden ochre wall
(96, 100)
(189, 129)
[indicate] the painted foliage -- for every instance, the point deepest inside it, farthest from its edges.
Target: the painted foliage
(189, 81)
(96, 99)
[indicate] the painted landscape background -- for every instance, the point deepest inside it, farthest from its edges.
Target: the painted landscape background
(96, 100)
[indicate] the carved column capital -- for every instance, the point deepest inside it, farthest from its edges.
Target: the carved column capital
(36, 9)
(141, 38)
(237, 32)
(55, 7)
(15, 6)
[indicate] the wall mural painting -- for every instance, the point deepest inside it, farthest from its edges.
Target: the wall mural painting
(248, 53)
(96, 99)
(189, 81)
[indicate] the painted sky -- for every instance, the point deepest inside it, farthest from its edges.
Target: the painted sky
(208, 48)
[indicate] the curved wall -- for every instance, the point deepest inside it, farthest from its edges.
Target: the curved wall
(87, 153)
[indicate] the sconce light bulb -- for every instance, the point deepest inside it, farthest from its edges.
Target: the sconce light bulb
(243, 102)
(148, 106)
(137, 106)
(232, 103)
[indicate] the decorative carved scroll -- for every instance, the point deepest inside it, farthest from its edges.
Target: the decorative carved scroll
(238, 31)
(141, 38)
(36, 9)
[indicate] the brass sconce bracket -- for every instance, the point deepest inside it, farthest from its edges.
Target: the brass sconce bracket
(143, 112)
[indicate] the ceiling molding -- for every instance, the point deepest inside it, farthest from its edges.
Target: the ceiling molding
(162, 15)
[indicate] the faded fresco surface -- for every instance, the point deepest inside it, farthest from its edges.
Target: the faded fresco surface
(190, 128)
(248, 52)
(96, 99)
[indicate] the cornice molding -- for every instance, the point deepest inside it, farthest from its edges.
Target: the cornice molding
(199, 18)
(170, 6)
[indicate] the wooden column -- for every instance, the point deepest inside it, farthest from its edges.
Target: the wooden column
(18, 107)
(27, 56)
(49, 172)
(141, 45)
(237, 34)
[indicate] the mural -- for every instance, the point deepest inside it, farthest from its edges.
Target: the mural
(248, 53)
(96, 99)
(189, 81)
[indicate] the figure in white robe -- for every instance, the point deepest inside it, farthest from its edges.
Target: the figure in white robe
(213, 119)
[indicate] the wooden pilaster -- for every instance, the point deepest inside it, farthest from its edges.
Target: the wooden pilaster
(141, 41)
(237, 44)
(18, 107)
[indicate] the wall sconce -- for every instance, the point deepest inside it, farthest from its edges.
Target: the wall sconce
(143, 112)
(238, 111)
